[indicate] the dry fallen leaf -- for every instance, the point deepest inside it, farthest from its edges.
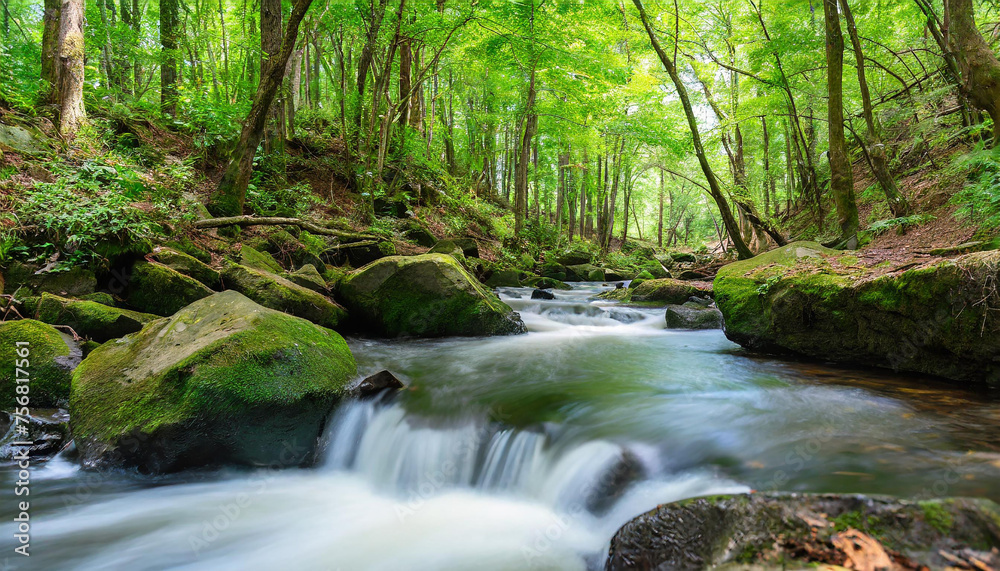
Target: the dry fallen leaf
(863, 552)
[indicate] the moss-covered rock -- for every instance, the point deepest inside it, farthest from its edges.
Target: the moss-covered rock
(469, 246)
(450, 248)
(773, 531)
(89, 318)
(544, 283)
(430, 295)
(100, 297)
(583, 273)
(942, 318)
(416, 232)
(553, 270)
(155, 288)
(669, 291)
(50, 362)
(276, 292)
(187, 265)
(75, 281)
(308, 277)
(222, 381)
(574, 256)
(506, 278)
(253, 258)
(359, 254)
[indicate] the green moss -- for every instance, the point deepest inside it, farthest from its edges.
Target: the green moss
(188, 247)
(187, 265)
(48, 367)
(155, 288)
(257, 260)
(100, 297)
(667, 291)
(429, 296)
(89, 318)
(224, 367)
(278, 293)
(937, 515)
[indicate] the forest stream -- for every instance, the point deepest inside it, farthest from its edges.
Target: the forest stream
(528, 452)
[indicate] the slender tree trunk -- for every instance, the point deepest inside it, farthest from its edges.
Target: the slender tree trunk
(168, 56)
(659, 220)
(879, 163)
(70, 75)
(713, 184)
(270, 44)
(841, 177)
(50, 49)
(523, 156)
(228, 199)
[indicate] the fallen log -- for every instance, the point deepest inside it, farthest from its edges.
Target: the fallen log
(244, 221)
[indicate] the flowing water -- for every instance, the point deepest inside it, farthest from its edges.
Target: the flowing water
(528, 452)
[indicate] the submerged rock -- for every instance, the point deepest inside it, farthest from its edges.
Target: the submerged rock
(773, 531)
(90, 318)
(223, 381)
(693, 316)
(276, 292)
(374, 385)
(46, 434)
(942, 318)
(430, 295)
(158, 289)
(542, 294)
(49, 363)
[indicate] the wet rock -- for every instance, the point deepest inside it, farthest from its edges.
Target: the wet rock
(276, 292)
(693, 316)
(773, 531)
(160, 290)
(187, 265)
(582, 273)
(702, 301)
(52, 356)
(544, 283)
(941, 318)
(430, 295)
(47, 433)
(374, 385)
(223, 381)
(542, 294)
(613, 484)
(89, 318)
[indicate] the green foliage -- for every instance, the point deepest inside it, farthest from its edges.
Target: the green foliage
(899, 224)
(979, 200)
(274, 198)
(92, 211)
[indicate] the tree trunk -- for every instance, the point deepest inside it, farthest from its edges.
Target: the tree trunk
(70, 75)
(659, 220)
(713, 184)
(168, 56)
(228, 199)
(50, 48)
(880, 167)
(270, 44)
(523, 156)
(841, 177)
(978, 64)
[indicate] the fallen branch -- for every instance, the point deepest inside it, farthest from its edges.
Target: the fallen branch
(244, 221)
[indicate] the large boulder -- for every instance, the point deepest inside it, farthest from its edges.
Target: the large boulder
(773, 531)
(187, 265)
(573, 257)
(253, 258)
(276, 292)
(669, 291)
(506, 278)
(158, 289)
(75, 281)
(448, 247)
(223, 381)
(308, 277)
(692, 315)
(940, 318)
(358, 254)
(49, 362)
(90, 318)
(430, 295)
